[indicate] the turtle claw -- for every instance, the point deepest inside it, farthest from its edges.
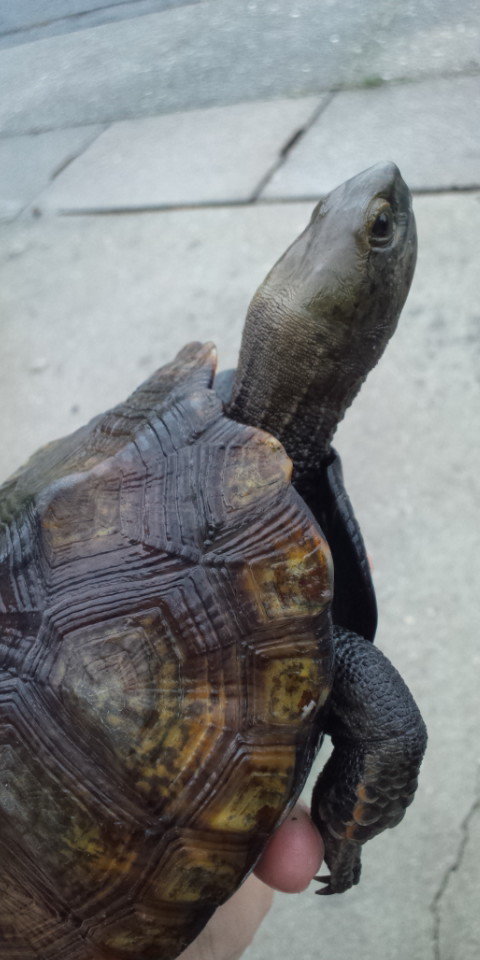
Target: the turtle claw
(324, 891)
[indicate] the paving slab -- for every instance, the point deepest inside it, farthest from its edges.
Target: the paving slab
(90, 306)
(458, 929)
(202, 156)
(215, 53)
(430, 129)
(27, 13)
(26, 21)
(30, 162)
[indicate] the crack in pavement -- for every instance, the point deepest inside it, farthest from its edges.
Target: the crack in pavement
(450, 871)
(288, 146)
(105, 14)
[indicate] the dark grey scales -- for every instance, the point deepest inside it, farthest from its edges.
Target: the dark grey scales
(315, 328)
(379, 741)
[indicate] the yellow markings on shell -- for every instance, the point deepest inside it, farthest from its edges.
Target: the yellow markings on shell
(138, 930)
(263, 783)
(102, 858)
(121, 863)
(114, 720)
(172, 749)
(194, 871)
(119, 940)
(159, 723)
(256, 470)
(289, 688)
(298, 585)
(84, 840)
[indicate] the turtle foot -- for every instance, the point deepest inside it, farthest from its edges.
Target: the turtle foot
(342, 856)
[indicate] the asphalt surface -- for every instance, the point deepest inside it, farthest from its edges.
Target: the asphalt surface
(153, 167)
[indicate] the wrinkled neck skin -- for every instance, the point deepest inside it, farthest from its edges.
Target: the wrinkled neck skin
(322, 319)
(302, 363)
(296, 388)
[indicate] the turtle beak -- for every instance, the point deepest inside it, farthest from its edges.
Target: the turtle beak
(385, 180)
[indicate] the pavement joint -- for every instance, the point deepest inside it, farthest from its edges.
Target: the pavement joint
(292, 141)
(75, 154)
(286, 172)
(32, 31)
(451, 869)
(428, 129)
(31, 208)
(35, 211)
(327, 92)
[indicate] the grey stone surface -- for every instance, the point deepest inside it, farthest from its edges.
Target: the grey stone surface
(458, 918)
(91, 305)
(27, 13)
(202, 156)
(224, 52)
(26, 21)
(29, 163)
(430, 129)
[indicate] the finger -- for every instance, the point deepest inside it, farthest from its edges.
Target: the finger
(233, 925)
(294, 854)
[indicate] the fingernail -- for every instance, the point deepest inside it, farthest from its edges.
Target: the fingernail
(299, 811)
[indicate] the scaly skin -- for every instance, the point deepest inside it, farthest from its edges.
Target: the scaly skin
(315, 328)
(379, 739)
(323, 317)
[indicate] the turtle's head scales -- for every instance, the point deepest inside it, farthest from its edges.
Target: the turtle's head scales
(324, 314)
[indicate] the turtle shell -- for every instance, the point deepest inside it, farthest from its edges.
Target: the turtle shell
(165, 654)
(354, 604)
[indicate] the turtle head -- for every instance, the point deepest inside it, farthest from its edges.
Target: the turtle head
(325, 312)
(350, 271)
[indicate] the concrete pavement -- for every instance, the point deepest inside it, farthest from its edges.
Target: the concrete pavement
(229, 51)
(128, 230)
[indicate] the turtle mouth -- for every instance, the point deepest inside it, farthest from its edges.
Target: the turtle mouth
(395, 190)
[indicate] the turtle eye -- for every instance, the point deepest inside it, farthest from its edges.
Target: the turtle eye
(381, 227)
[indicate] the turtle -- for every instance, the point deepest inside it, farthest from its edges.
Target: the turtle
(172, 646)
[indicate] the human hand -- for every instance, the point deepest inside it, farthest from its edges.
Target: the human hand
(289, 863)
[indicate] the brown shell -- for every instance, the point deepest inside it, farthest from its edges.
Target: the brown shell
(164, 656)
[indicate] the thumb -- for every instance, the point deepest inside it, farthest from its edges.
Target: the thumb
(293, 855)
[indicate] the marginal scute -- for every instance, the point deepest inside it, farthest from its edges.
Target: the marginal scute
(191, 868)
(296, 584)
(287, 686)
(265, 772)
(165, 654)
(290, 688)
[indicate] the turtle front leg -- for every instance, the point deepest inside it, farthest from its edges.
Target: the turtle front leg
(379, 739)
